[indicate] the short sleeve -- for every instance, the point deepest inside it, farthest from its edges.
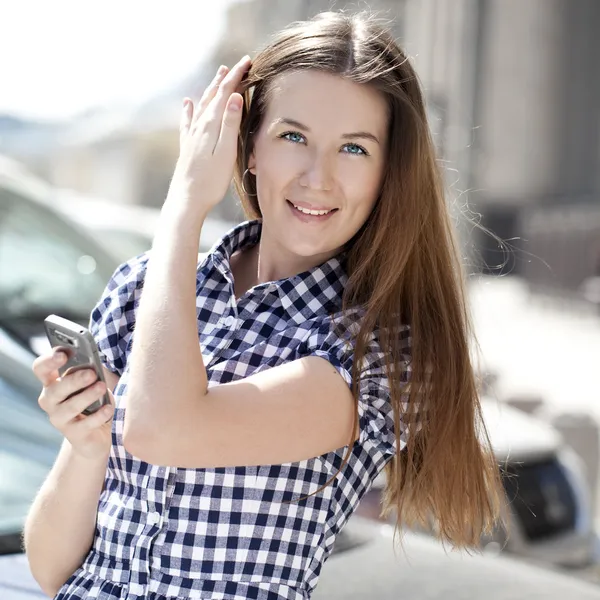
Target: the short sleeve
(113, 317)
(376, 415)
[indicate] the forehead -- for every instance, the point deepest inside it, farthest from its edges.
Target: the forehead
(327, 102)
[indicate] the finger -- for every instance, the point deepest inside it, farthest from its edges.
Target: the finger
(186, 119)
(45, 367)
(228, 138)
(210, 92)
(215, 111)
(55, 393)
(232, 81)
(73, 407)
(80, 426)
(242, 86)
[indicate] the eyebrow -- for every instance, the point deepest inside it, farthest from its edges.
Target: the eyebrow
(347, 136)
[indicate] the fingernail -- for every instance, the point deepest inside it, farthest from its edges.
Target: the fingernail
(222, 70)
(235, 104)
(60, 357)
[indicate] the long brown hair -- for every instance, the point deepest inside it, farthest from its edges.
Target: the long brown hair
(403, 267)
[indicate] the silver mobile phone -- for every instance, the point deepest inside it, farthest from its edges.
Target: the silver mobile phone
(79, 346)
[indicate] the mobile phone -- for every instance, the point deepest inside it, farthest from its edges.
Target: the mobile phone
(80, 347)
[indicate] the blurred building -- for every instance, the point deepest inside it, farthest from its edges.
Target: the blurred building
(126, 155)
(251, 24)
(515, 88)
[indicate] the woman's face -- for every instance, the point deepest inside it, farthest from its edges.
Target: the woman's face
(321, 146)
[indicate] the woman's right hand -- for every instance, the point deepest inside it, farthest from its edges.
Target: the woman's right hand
(89, 435)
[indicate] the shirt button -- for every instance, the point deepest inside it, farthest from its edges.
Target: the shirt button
(229, 321)
(153, 518)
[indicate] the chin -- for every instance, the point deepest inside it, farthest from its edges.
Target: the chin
(305, 241)
(310, 248)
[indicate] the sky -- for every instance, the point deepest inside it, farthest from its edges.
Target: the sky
(61, 57)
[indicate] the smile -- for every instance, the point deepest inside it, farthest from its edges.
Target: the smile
(308, 215)
(307, 211)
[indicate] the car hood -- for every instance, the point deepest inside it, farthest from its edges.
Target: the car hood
(515, 435)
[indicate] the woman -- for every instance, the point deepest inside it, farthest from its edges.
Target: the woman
(234, 463)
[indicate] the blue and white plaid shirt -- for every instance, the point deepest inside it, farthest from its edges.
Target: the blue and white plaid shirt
(224, 533)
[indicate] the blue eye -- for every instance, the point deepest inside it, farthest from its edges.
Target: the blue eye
(355, 149)
(293, 136)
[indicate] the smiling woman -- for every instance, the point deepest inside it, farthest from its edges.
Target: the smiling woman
(322, 146)
(261, 392)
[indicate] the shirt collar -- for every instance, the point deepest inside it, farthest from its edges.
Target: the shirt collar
(316, 292)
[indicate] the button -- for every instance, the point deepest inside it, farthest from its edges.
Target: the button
(229, 321)
(153, 518)
(272, 288)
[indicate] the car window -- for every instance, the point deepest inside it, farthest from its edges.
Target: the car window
(45, 265)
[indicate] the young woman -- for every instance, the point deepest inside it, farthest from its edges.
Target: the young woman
(259, 393)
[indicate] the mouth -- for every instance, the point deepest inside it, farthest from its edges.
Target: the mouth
(309, 216)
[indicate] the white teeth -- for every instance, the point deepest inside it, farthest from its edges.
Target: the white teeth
(306, 211)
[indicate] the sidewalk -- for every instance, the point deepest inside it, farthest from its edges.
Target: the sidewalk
(536, 348)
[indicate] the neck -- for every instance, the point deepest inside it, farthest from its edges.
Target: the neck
(269, 261)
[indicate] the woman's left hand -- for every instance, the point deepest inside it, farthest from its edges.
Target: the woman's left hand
(208, 145)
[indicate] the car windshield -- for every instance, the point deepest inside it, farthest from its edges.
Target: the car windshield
(46, 265)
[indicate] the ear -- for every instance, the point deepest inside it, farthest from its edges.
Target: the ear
(252, 163)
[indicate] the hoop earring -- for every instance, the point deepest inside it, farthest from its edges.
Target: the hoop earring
(242, 184)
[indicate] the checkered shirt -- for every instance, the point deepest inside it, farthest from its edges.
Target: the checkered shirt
(224, 533)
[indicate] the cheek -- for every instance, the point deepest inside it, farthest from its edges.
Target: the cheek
(279, 161)
(361, 184)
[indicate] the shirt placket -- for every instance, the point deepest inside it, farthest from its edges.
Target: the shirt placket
(154, 509)
(227, 330)
(226, 327)
(226, 333)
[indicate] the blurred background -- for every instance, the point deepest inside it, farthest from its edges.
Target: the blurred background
(89, 110)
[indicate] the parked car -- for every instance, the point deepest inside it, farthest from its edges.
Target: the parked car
(126, 230)
(28, 442)
(47, 264)
(57, 253)
(550, 515)
(425, 571)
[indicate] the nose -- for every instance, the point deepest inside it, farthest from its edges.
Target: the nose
(319, 173)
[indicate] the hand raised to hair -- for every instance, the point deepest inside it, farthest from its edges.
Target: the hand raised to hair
(208, 144)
